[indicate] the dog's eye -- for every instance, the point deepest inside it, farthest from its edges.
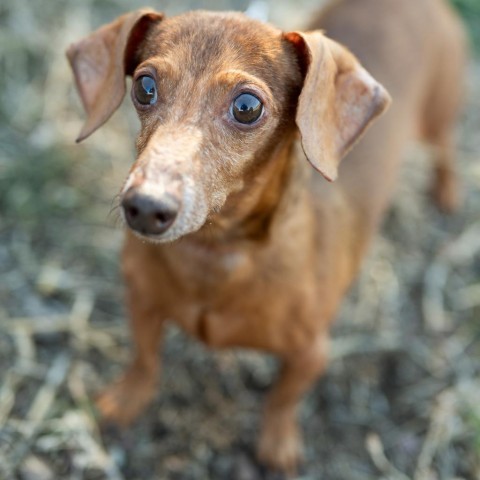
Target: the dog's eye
(145, 90)
(247, 108)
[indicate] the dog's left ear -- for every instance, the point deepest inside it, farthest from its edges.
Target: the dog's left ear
(338, 101)
(100, 62)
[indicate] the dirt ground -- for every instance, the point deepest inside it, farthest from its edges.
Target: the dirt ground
(401, 399)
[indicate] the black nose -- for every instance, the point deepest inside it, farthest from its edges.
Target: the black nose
(149, 215)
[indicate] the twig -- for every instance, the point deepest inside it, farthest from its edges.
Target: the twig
(41, 405)
(35, 325)
(7, 394)
(25, 346)
(80, 315)
(25, 357)
(364, 343)
(93, 453)
(377, 454)
(439, 432)
(44, 398)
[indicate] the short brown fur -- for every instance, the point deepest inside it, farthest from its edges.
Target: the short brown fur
(270, 248)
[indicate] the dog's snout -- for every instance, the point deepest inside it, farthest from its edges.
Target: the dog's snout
(149, 215)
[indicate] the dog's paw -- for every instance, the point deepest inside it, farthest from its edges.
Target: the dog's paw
(280, 446)
(125, 399)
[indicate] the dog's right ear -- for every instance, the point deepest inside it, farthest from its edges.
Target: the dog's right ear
(101, 61)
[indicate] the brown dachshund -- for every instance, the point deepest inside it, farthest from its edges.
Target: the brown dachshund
(232, 233)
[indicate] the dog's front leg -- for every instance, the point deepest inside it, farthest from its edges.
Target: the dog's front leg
(125, 399)
(280, 445)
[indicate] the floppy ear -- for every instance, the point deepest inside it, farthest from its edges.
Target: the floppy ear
(338, 101)
(100, 62)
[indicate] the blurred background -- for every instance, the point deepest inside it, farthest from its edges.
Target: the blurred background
(401, 399)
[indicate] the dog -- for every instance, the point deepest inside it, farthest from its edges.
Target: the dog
(233, 231)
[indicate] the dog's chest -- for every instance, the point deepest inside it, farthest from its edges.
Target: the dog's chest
(243, 298)
(205, 271)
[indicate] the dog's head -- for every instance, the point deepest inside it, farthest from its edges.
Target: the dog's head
(216, 93)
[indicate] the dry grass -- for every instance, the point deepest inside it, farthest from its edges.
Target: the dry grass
(400, 400)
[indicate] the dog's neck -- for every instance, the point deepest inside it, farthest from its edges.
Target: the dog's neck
(248, 214)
